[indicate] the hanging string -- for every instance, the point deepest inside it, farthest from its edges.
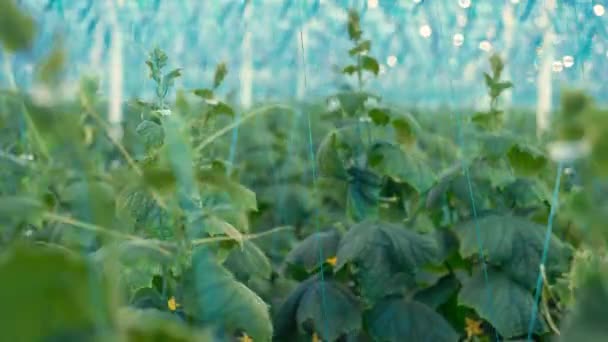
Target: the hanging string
(314, 177)
(465, 170)
(539, 281)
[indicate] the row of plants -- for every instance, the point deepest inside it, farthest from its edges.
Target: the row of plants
(346, 220)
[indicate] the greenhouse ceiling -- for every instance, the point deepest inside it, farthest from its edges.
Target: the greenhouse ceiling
(432, 51)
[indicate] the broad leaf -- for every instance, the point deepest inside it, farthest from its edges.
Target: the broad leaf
(311, 252)
(385, 253)
(153, 325)
(514, 243)
(151, 133)
(248, 261)
(47, 292)
(390, 160)
(317, 306)
(395, 319)
(216, 298)
(370, 64)
(526, 161)
(17, 29)
(502, 302)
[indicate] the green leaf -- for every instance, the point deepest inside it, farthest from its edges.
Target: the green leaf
(514, 243)
(363, 194)
(170, 77)
(496, 65)
(151, 133)
(152, 325)
(440, 293)
(220, 73)
(148, 298)
(91, 201)
(20, 209)
(50, 69)
(526, 161)
(385, 253)
(214, 178)
(222, 108)
(370, 64)
(311, 252)
(404, 132)
(354, 26)
(205, 93)
(326, 308)
(396, 319)
(350, 69)
(489, 80)
(216, 298)
(508, 307)
(46, 294)
(390, 160)
(248, 261)
(379, 116)
(361, 48)
(17, 29)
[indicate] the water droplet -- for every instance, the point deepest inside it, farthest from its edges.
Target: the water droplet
(599, 10)
(485, 46)
(464, 3)
(568, 61)
(558, 66)
(458, 39)
(425, 31)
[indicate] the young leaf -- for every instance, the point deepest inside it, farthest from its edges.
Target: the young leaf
(220, 73)
(170, 77)
(350, 69)
(204, 93)
(525, 161)
(360, 48)
(354, 28)
(370, 64)
(379, 116)
(404, 132)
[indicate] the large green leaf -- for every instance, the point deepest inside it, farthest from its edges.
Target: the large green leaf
(247, 261)
(363, 194)
(323, 307)
(17, 29)
(311, 252)
(151, 133)
(153, 325)
(19, 209)
(48, 292)
(385, 253)
(502, 302)
(514, 243)
(214, 297)
(411, 168)
(395, 319)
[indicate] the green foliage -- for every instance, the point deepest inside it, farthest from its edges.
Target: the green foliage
(17, 29)
(396, 319)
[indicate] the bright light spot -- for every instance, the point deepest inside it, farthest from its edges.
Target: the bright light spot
(599, 10)
(485, 46)
(515, 2)
(458, 39)
(372, 3)
(425, 31)
(558, 66)
(391, 61)
(462, 20)
(417, 1)
(333, 104)
(568, 61)
(464, 3)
